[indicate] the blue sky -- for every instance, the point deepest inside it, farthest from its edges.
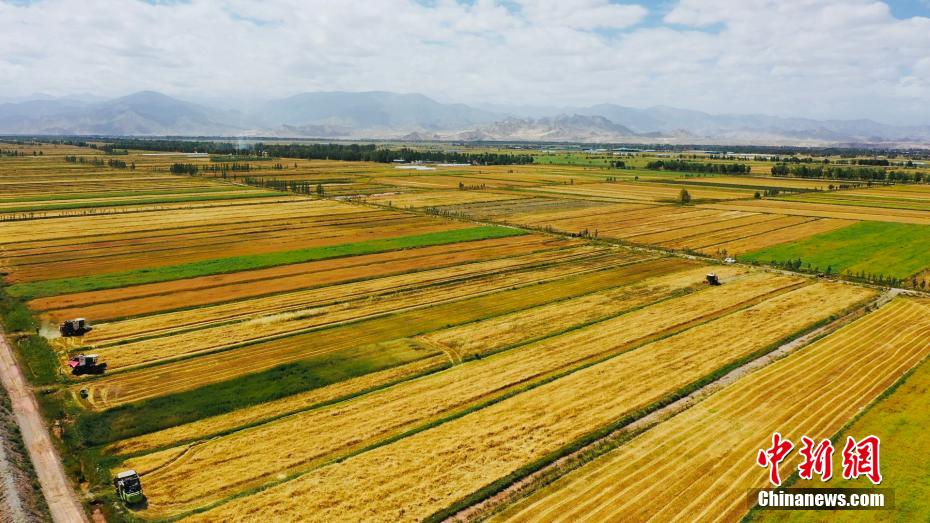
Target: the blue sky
(816, 58)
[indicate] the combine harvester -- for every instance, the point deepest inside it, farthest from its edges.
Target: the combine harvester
(76, 327)
(128, 487)
(86, 364)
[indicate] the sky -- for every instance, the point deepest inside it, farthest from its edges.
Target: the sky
(811, 58)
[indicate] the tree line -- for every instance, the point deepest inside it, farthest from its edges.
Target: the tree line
(327, 151)
(97, 162)
(866, 174)
(698, 167)
(372, 153)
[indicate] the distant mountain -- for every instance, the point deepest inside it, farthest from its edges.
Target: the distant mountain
(144, 113)
(561, 128)
(415, 117)
(758, 128)
(371, 110)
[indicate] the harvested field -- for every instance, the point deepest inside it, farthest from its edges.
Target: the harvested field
(706, 456)
(822, 210)
(777, 237)
(278, 315)
(361, 421)
(415, 200)
(95, 260)
(727, 233)
(399, 481)
(472, 381)
(540, 322)
(630, 293)
(188, 374)
(180, 205)
(758, 182)
(207, 427)
(33, 232)
(512, 211)
(900, 420)
(193, 292)
(916, 197)
(649, 192)
(447, 234)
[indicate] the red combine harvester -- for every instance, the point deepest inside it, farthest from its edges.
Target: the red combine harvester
(86, 364)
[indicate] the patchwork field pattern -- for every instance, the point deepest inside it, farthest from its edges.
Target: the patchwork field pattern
(400, 342)
(488, 444)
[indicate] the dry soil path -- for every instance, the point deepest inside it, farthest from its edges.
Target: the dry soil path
(62, 501)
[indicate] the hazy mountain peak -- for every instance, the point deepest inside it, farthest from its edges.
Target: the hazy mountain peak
(384, 114)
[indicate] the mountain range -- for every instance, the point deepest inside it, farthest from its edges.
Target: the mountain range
(385, 115)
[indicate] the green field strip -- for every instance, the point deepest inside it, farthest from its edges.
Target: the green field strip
(893, 249)
(244, 263)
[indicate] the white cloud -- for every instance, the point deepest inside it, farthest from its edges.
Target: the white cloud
(820, 58)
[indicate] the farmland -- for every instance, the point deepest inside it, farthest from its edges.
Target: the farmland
(284, 339)
(899, 418)
(493, 442)
(892, 249)
(723, 432)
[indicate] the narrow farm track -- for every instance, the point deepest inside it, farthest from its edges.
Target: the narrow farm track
(705, 456)
(57, 489)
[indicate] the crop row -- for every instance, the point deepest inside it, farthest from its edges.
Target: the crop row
(699, 465)
(399, 481)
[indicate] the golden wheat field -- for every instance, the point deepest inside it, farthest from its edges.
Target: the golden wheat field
(309, 339)
(490, 443)
(700, 454)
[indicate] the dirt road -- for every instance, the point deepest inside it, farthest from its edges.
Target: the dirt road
(62, 501)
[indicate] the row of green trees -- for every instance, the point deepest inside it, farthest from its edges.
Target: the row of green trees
(295, 186)
(698, 167)
(326, 151)
(372, 153)
(798, 265)
(98, 162)
(184, 168)
(867, 174)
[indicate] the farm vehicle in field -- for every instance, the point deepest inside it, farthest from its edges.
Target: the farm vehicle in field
(128, 487)
(712, 279)
(76, 327)
(86, 364)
